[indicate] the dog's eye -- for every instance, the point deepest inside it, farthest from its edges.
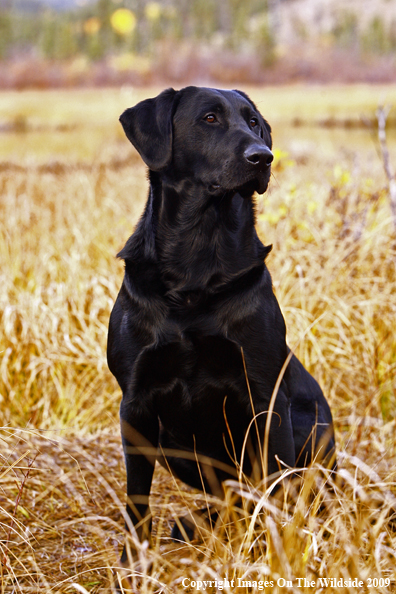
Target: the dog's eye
(253, 122)
(211, 118)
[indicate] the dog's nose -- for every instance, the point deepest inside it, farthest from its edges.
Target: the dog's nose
(259, 155)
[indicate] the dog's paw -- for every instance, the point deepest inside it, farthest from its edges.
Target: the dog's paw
(196, 524)
(183, 530)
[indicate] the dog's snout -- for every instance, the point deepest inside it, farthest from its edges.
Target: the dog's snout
(259, 155)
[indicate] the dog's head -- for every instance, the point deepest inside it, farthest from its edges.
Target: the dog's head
(212, 137)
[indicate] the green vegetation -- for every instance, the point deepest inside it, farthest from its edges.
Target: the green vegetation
(71, 190)
(91, 28)
(244, 37)
(99, 27)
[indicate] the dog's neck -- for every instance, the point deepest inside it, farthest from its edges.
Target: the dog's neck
(191, 240)
(202, 241)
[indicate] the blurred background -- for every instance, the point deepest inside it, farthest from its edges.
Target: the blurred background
(55, 43)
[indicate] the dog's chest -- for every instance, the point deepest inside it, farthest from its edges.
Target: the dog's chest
(196, 385)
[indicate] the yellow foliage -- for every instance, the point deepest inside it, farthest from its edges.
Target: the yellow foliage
(281, 159)
(274, 217)
(153, 11)
(123, 21)
(312, 206)
(341, 175)
(130, 61)
(92, 26)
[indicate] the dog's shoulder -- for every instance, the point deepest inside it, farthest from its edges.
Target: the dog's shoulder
(141, 244)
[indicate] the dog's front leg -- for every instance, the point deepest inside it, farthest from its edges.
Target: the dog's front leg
(274, 427)
(140, 439)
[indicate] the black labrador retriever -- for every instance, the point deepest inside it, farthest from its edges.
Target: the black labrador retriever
(197, 339)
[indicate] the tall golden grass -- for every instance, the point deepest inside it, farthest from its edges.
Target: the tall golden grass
(65, 212)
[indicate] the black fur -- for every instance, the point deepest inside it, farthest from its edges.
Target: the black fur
(197, 306)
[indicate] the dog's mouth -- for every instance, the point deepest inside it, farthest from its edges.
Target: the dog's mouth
(258, 184)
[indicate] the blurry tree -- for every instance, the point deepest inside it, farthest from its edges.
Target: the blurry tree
(5, 33)
(392, 35)
(104, 10)
(91, 41)
(265, 41)
(205, 18)
(124, 22)
(156, 20)
(48, 36)
(58, 38)
(376, 38)
(104, 27)
(346, 30)
(240, 11)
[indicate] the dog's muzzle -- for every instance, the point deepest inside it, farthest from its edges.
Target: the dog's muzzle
(259, 156)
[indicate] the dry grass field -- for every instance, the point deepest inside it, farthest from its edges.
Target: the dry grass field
(71, 190)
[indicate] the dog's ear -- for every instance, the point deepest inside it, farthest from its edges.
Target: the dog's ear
(265, 127)
(148, 126)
